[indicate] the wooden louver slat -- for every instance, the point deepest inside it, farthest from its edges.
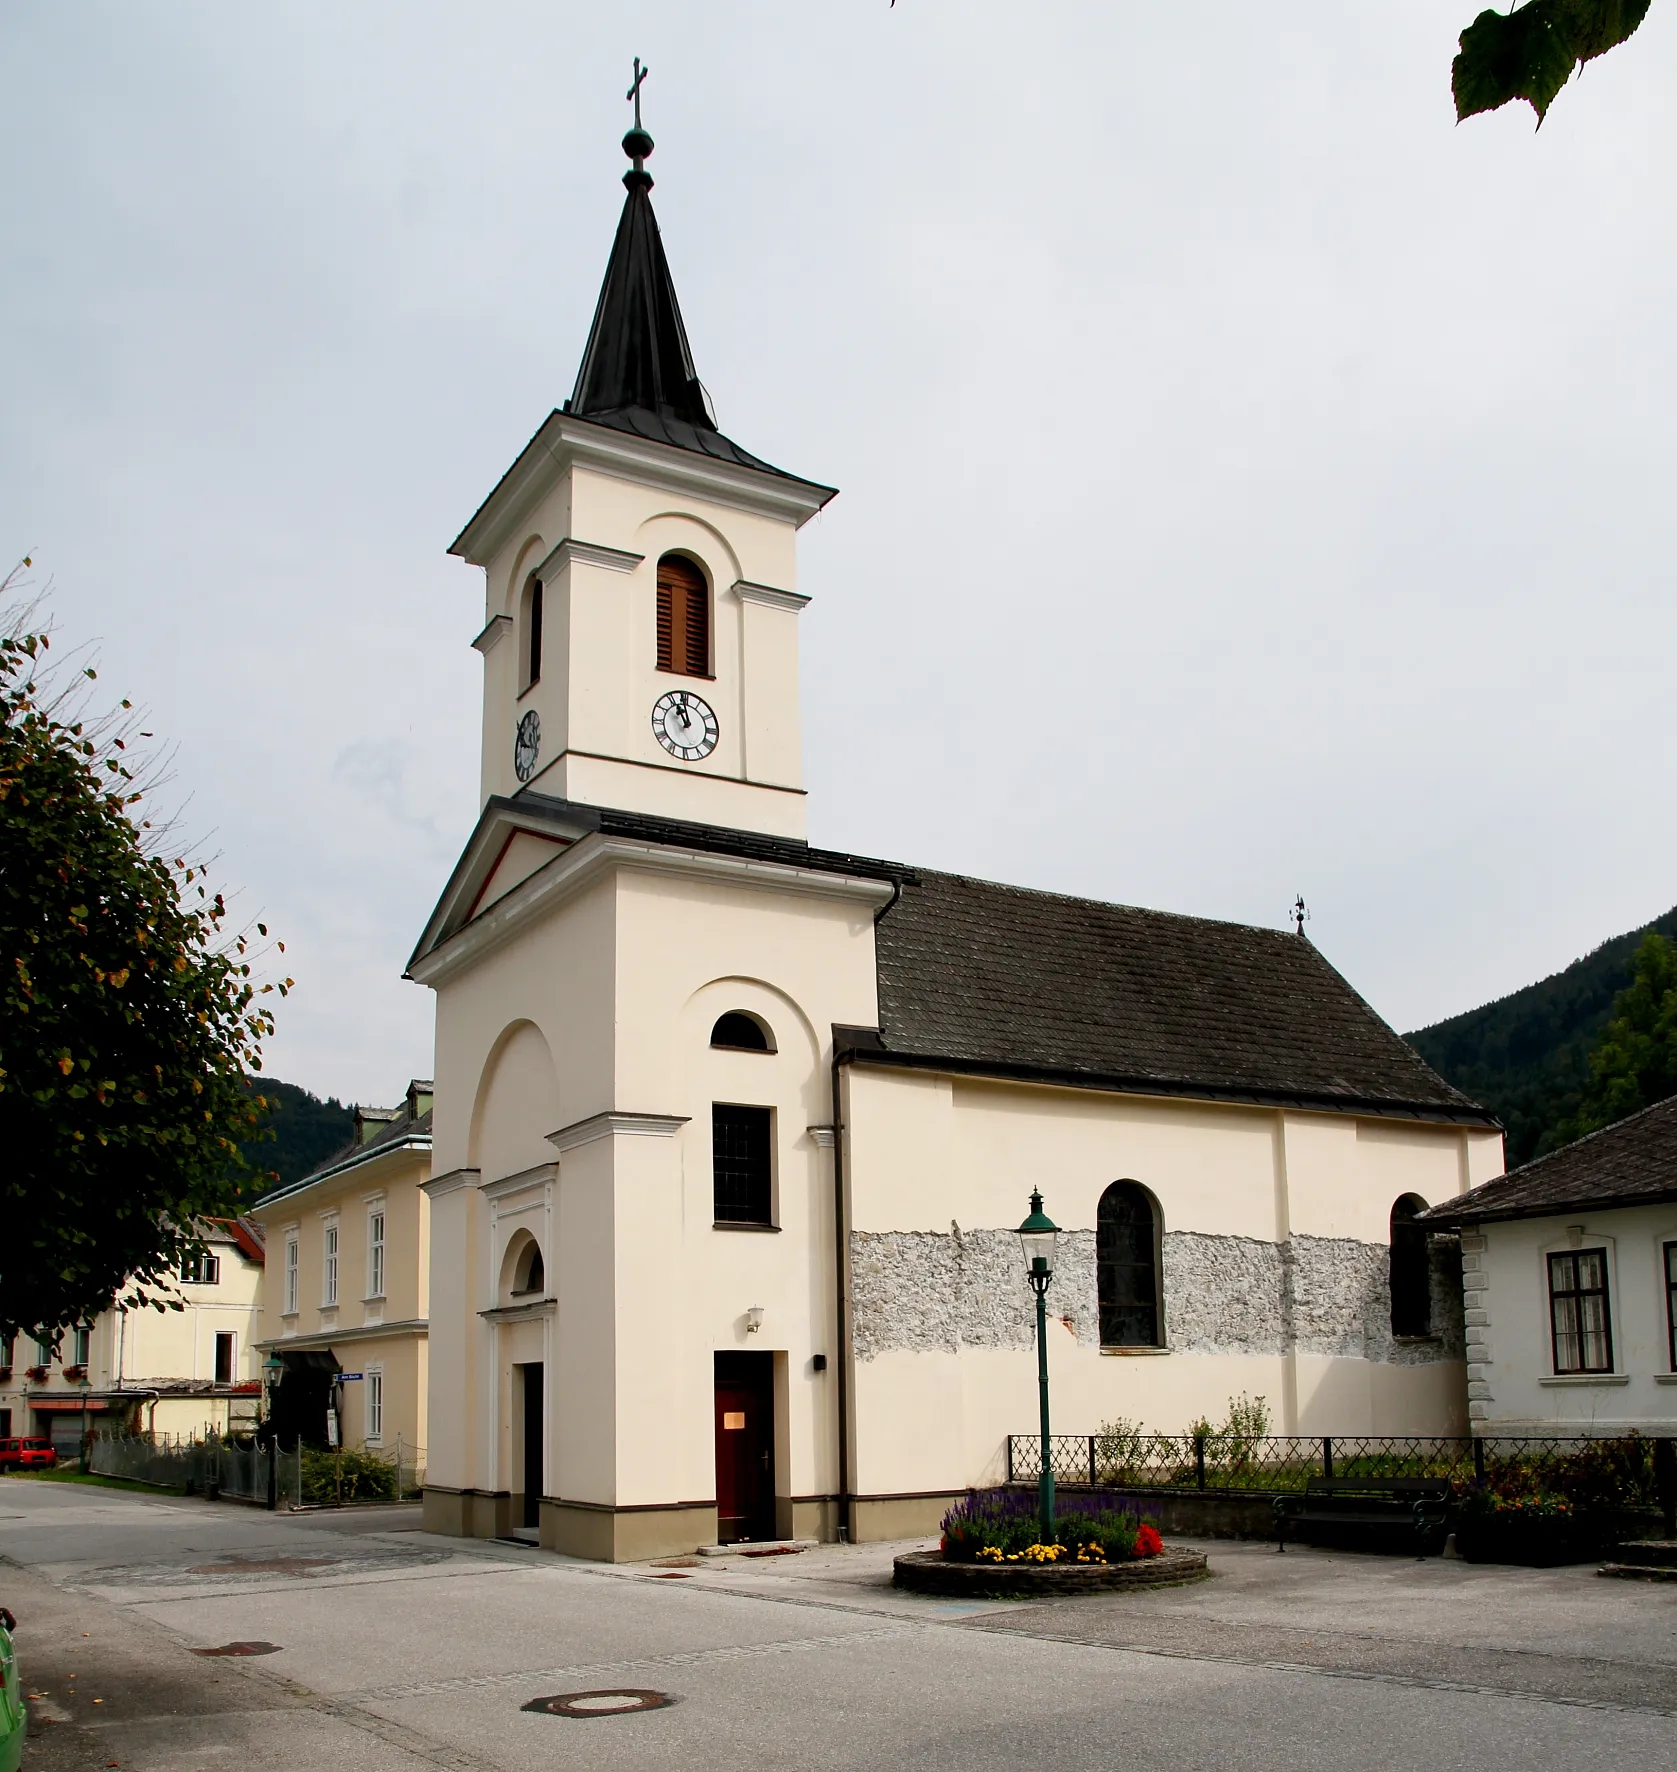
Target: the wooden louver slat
(683, 618)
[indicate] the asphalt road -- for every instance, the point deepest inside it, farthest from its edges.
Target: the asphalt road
(399, 1651)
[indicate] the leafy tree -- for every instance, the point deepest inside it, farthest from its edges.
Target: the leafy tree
(1634, 1063)
(1530, 53)
(128, 1018)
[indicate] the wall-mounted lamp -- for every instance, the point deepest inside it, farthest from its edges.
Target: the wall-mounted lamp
(818, 1363)
(754, 1319)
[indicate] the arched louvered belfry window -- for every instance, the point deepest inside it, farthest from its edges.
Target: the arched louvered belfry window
(683, 618)
(532, 636)
(1127, 1278)
(1410, 1280)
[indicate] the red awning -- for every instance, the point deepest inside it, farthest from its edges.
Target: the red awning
(73, 1405)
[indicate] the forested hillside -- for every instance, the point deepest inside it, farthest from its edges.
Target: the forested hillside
(306, 1129)
(1526, 1056)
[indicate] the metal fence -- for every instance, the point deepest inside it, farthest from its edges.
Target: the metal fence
(240, 1470)
(1626, 1470)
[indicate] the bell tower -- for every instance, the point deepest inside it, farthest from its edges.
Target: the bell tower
(640, 645)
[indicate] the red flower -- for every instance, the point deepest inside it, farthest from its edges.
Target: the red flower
(1148, 1543)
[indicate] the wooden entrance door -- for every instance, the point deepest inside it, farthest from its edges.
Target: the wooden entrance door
(744, 1447)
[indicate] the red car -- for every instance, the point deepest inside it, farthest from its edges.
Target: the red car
(27, 1455)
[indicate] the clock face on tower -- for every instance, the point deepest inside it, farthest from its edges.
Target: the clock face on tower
(526, 745)
(684, 725)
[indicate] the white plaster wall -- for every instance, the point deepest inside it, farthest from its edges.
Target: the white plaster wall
(1505, 1286)
(599, 675)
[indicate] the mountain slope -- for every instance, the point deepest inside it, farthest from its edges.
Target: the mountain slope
(1526, 1056)
(306, 1129)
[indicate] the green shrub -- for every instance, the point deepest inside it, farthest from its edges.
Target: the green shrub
(348, 1475)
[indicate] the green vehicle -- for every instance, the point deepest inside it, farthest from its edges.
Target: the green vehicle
(13, 1721)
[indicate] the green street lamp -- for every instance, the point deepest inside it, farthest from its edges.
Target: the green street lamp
(273, 1370)
(1037, 1237)
(86, 1385)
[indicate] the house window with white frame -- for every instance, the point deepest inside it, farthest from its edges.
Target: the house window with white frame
(375, 1253)
(292, 1256)
(375, 1404)
(1580, 1323)
(78, 1346)
(329, 1279)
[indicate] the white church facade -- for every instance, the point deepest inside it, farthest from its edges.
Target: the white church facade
(730, 1132)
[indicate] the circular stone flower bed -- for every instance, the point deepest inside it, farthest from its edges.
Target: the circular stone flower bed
(930, 1572)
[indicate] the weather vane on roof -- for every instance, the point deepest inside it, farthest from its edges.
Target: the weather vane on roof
(634, 91)
(1300, 914)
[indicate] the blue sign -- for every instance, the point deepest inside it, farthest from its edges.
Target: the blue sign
(346, 1377)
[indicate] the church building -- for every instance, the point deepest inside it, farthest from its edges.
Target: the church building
(731, 1132)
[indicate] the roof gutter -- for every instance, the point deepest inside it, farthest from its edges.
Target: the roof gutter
(1451, 1213)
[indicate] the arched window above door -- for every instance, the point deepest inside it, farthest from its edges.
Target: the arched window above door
(1127, 1277)
(1411, 1281)
(741, 1032)
(683, 618)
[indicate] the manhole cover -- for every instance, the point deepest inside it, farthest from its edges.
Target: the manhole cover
(241, 1649)
(264, 1566)
(600, 1704)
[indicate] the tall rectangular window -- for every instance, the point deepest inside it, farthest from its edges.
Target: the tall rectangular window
(291, 1260)
(43, 1350)
(78, 1346)
(224, 1358)
(6, 1347)
(375, 1255)
(742, 1164)
(329, 1288)
(1578, 1314)
(375, 1405)
(1670, 1301)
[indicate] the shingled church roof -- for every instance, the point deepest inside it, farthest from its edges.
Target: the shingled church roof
(1001, 980)
(1630, 1163)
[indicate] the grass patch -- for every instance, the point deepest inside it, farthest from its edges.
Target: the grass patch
(96, 1481)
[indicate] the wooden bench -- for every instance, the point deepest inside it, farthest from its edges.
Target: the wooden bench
(1410, 1504)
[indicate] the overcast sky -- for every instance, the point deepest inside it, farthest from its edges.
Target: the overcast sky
(1252, 483)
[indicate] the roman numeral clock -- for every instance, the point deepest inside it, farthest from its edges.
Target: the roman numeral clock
(684, 725)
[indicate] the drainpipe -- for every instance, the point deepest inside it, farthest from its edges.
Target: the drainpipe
(841, 1350)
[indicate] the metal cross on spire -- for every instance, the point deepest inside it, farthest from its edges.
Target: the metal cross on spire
(634, 91)
(1300, 914)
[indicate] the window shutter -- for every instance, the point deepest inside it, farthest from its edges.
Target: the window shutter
(683, 618)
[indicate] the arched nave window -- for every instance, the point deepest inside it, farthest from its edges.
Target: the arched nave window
(531, 1273)
(683, 618)
(1410, 1282)
(1127, 1235)
(741, 1033)
(532, 633)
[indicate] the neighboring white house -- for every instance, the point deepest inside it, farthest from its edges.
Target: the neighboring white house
(180, 1371)
(1569, 1284)
(732, 1133)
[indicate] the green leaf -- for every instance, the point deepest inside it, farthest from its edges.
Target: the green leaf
(1530, 53)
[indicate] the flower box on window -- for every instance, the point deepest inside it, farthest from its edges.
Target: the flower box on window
(37, 1374)
(75, 1374)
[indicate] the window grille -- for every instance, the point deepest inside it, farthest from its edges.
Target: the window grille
(1127, 1267)
(329, 1291)
(742, 1163)
(375, 1255)
(1578, 1311)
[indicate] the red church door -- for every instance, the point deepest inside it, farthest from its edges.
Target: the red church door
(744, 1447)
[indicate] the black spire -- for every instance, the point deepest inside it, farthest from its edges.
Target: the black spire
(637, 354)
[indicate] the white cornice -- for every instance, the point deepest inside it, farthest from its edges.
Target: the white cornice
(768, 596)
(610, 1125)
(521, 1313)
(451, 1183)
(361, 1332)
(571, 552)
(595, 856)
(496, 629)
(508, 1185)
(563, 443)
